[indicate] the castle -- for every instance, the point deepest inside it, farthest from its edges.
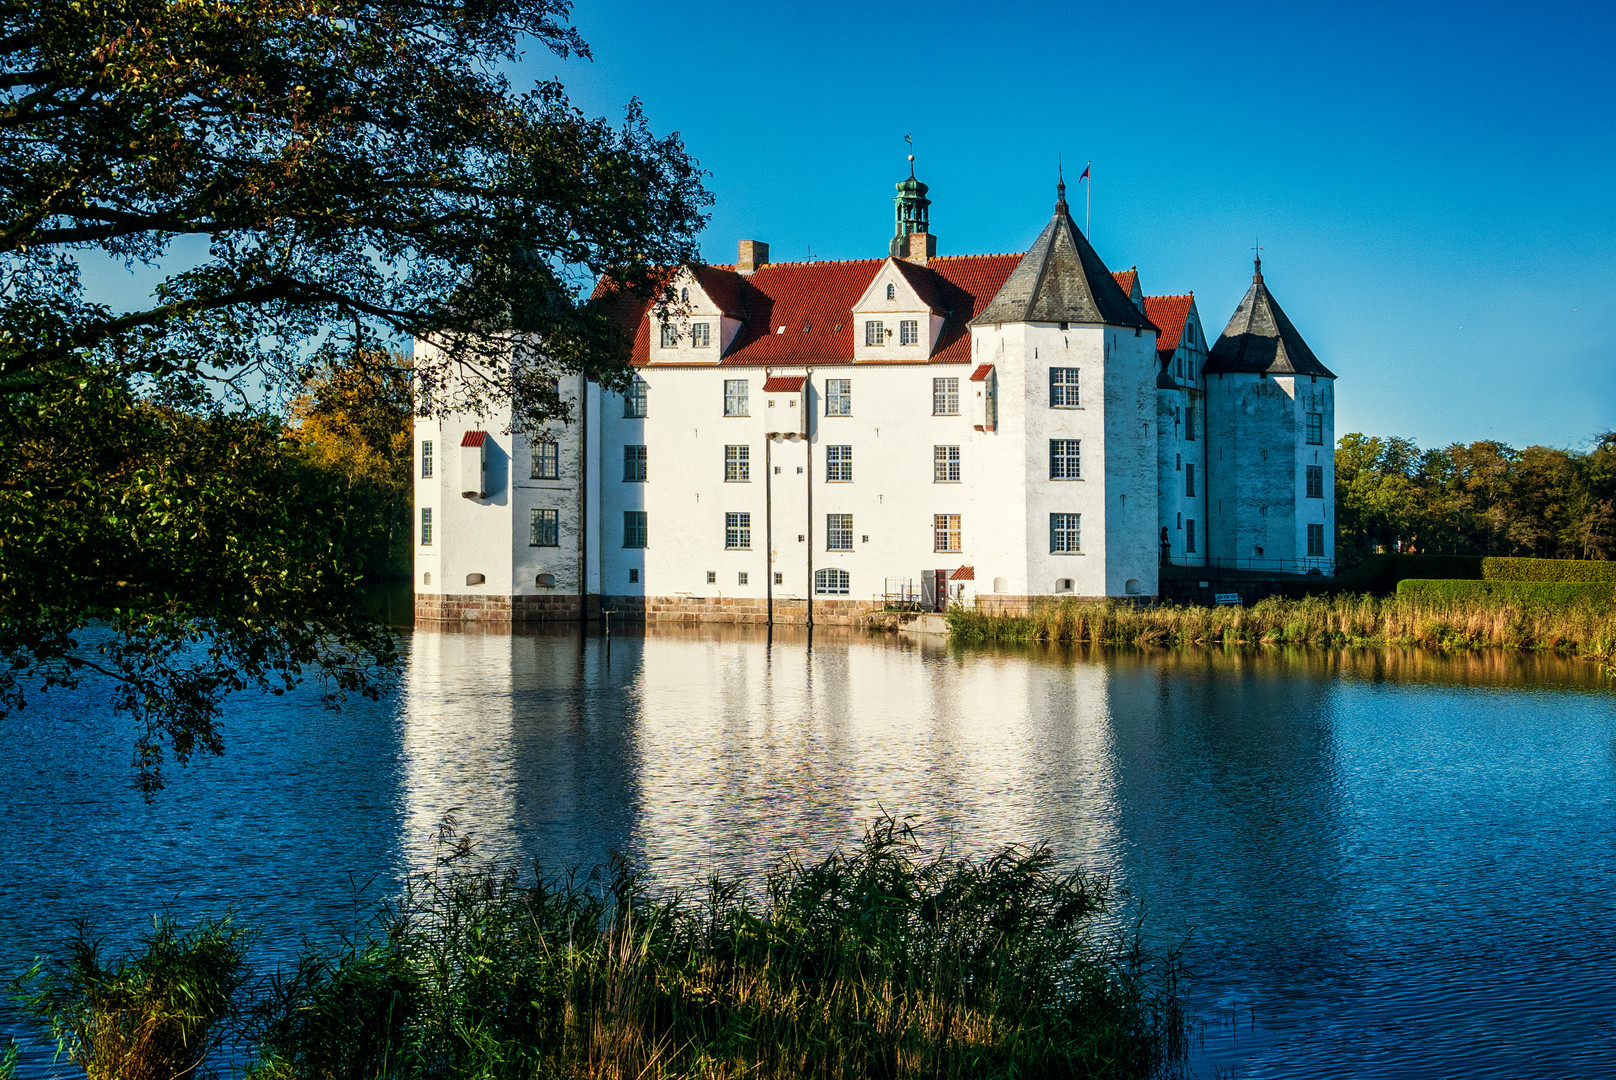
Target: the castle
(808, 441)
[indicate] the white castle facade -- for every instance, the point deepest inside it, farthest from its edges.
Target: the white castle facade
(808, 441)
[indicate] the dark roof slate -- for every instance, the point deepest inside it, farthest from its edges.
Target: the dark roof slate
(1062, 279)
(1260, 340)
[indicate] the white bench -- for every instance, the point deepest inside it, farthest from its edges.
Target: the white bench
(1224, 599)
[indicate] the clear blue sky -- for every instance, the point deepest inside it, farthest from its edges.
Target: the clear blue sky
(1435, 186)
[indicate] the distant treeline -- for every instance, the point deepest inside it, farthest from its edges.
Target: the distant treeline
(1484, 498)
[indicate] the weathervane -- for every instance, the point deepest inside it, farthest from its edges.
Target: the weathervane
(911, 141)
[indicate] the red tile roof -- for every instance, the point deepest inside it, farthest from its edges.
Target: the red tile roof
(473, 438)
(1127, 279)
(782, 384)
(814, 302)
(964, 573)
(982, 373)
(1169, 314)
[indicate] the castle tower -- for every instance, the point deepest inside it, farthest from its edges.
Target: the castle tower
(912, 238)
(1270, 443)
(1074, 453)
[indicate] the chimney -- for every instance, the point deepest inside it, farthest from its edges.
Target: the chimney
(919, 248)
(752, 254)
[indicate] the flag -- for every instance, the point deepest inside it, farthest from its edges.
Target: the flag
(1085, 175)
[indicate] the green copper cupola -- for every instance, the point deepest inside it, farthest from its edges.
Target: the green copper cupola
(912, 218)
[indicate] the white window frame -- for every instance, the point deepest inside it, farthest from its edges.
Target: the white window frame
(701, 335)
(839, 464)
(737, 463)
(832, 581)
(635, 399)
(1066, 459)
(945, 464)
(543, 527)
(670, 334)
(635, 463)
(838, 532)
(426, 459)
(945, 395)
(1065, 391)
(426, 526)
(875, 333)
(546, 463)
(909, 332)
(1065, 534)
(738, 530)
(838, 397)
(736, 398)
(947, 533)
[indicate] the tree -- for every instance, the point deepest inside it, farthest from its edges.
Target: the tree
(363, 174)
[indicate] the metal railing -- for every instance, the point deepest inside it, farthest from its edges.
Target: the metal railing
(1309, 567)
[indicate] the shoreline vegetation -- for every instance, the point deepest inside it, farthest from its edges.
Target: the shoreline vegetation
(1584, 627)
(886, 962)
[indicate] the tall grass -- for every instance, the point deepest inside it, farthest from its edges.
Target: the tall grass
(882, 963)
(1579, 629)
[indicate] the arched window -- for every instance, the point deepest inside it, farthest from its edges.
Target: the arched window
(684, 296)
(1063, 585)
(426, 578)
(892, 292)
(831, 582)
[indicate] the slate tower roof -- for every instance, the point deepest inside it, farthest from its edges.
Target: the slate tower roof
(1061, 279)
(1260, 340)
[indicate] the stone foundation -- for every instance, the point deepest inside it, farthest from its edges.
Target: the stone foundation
(461, 607)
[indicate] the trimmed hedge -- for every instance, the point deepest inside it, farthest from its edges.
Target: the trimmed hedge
(1544, 593)
(1499, 568)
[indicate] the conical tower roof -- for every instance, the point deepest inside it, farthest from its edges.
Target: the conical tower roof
(1061, 279)
(1260, 340)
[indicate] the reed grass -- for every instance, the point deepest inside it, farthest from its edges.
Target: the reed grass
(883, 963)
(1583, 629)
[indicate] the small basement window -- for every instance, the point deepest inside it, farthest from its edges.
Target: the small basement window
(426, 578)
(545, 581)
(475, 579)
(1063, 585)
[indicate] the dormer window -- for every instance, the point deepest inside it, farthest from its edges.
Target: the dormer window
(670, 336)
(909, 332)
(699, 335)
(875, 332)
(892, 292)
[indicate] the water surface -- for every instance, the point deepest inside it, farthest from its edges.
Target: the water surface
(1387, 863)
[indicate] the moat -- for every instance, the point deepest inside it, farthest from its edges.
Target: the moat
(1382, 863)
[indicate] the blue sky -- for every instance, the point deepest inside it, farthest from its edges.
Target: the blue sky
(1435, 188)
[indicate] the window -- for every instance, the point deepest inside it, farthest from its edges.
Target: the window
(426, 459)
(945, 530)
(737, 531)
(1179, 366)
(838, 397)
(1189, 480)
(875, 332)
(670, 335)
(945, 397)
(634, 577)
(945, 467)
(544, 528)
(634, 399)
(634, 529)
(712, 577)
(1063, 388)
(839, 464)
(737, 464)
(909, 332)
(892, 292)
(1315, 541)
(1065, 534)
(1315, 429)
(838, 532)
(1189, 423)
(1065, 459)
(634, 464)
(831, 582)
(741, 578)
(1189, 536)
(700, 335)
(546, 462)
(735, 397)
(1315, 481)
(779, 578)
(426, 526)
(684, 296)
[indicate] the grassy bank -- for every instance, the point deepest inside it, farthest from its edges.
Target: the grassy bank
(885, 962)
(1438, 622)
